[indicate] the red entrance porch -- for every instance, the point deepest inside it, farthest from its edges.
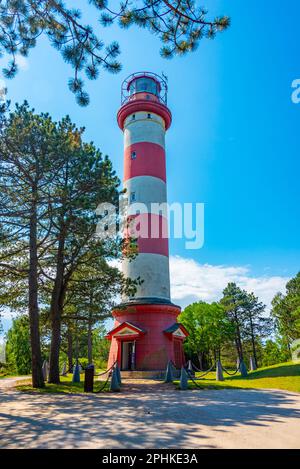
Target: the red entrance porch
(146, 337)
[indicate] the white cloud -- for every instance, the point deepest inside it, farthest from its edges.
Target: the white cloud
(191, 281)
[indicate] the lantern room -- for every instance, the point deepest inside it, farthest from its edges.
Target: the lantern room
(144, 85)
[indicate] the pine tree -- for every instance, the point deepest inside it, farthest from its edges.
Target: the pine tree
(257, 324)
(179, 24)
(286, 311)
(27, 145)
(234, 300)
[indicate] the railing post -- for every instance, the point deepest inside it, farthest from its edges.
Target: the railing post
(169, 373)
(114, 383)
(76, 374)
(243, 369)
(219, 371)
(183, 385)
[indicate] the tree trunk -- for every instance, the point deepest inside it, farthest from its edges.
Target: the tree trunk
(90, 340)
(36, 357)
(70, 348)
(238, 340)
(253, 340)
(200, 359)
(56, 308)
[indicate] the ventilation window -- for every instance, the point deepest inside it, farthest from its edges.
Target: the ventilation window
(132, 197)
(133, 155)
(149, 116)
(133, 117)
(148, 97)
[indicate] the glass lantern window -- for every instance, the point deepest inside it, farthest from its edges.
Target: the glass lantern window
(141, 85)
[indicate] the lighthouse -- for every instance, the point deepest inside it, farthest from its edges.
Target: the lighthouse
(146, 334)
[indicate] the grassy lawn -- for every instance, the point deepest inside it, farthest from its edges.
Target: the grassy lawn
(65, 387)
(284, 376)
(7, 375)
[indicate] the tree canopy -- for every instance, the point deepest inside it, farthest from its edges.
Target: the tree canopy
(180, 25)
(51, 184)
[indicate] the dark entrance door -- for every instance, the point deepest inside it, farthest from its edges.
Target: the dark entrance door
(127, 356)
(177, 353)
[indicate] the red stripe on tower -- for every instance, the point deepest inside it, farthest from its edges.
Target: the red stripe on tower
(144, 159)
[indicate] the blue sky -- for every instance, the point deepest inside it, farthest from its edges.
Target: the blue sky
(233, 144)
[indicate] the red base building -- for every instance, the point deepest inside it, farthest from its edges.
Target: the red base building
(146, 334)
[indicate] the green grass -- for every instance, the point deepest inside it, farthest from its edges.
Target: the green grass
(284, 376)
(7, 375)
(65, 387)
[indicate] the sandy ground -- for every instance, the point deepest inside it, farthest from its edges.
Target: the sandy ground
(150, 415)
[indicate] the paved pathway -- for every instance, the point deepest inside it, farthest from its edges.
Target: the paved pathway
(158, 416)
(7, 383)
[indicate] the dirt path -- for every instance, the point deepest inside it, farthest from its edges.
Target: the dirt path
(153, 415)
(145, 386)
(7, 383)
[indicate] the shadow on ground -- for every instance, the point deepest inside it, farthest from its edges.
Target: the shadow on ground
(158, 419)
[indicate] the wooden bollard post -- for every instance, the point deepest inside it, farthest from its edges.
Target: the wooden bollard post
(89, 378)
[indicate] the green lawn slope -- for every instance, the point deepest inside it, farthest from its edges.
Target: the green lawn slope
(284, 376)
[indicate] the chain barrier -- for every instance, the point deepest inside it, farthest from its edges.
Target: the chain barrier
(107, 379)
(189, 372)
(205, 372)
(228, 373)
(102, 387)
(195, 367)
(193, 379)
(106, 371)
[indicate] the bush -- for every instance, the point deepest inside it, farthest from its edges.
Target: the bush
(18, 351)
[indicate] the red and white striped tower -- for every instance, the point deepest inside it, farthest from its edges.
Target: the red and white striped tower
(146, 335)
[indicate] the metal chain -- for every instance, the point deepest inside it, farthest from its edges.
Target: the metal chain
(230, 374)
(206, 372)
(108, 376)
(194, 381)
(106, 371)
(103, 387)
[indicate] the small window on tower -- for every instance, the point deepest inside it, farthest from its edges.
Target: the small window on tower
(133, 117)
(149, 116)
(133, 155)
(132, 197)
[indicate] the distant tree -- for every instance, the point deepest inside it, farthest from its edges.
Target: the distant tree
(209, 329)
(257, 325)
(101, 345)
(286, 311)
(234, 301)
(18, 351)
(274, 351)
(180, 25)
